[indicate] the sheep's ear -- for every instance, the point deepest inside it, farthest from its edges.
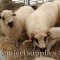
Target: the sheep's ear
(14, 15)
(13, 11)
(48, 34)
(32, 38)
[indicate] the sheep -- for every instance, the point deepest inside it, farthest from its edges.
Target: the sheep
(54, 35)
(13, 23)
(38, 23)
(44, 58)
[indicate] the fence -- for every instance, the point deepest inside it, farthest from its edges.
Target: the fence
(33, 2)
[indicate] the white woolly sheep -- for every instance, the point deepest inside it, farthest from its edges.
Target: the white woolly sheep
(13, 23)
(44, 58)
(38, 23)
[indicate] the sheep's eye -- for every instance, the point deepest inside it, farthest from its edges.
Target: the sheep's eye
(14, 15)
(45, 38)
(3, 18)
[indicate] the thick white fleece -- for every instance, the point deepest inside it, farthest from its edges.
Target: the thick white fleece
(18, 21)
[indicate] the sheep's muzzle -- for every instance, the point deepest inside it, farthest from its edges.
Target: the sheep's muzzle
(43, 49)
(10, 24)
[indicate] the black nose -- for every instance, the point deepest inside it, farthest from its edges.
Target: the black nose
(43, 49)
(10, 24)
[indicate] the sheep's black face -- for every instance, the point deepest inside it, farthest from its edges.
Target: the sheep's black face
(35, 40)
(10, 24)
(8, 18)
(40, 41)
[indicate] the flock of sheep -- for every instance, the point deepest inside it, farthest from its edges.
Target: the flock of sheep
(38, 24)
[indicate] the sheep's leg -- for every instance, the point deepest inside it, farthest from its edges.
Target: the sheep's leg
(50, 44)
(16, 43)
(26, 41)
(34, 47)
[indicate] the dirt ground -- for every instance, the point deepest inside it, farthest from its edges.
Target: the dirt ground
(7, 45)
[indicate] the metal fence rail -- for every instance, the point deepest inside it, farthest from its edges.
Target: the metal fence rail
(33, 2)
